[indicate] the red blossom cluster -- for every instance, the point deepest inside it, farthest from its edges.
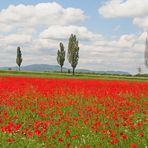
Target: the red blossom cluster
(52, 109)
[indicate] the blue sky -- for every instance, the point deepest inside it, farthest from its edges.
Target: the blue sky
(117, 27)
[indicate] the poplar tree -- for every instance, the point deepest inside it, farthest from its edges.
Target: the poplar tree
(61, 56)
(73, 52)
(19, 57)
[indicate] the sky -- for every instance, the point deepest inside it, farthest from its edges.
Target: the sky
(111, 33)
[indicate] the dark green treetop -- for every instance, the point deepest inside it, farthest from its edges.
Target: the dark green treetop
(19, 57)
(61, 56)
(73, 52)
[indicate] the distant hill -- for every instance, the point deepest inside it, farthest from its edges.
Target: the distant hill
(46, 68)
(35, 67)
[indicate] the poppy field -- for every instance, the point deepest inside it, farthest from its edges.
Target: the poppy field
(73, 113)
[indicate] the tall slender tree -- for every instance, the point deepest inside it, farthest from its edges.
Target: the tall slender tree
(73, 52)
(61, 56)
(146, 51)
(19, 57)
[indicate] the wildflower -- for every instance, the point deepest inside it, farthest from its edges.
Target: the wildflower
(60, 139)
(29, 134)
(38, 133)
(57, 132)
(74, 137)
(75, 119)
(114, 141)
(121, 133)
(112, 134)
(68, 145)
(53, 136)
(10, 140)
(124, 124)
(141, 134)
(133, 145)
(132, 127)
(67, 132)
(116, 124)
(125, 137)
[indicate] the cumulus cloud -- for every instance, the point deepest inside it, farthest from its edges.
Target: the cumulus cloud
(21, 25)
(63, 32)
(40, 15)
(141, 22)
(16, 39)
(122, 8)
(125, 53)
(39, 28)
(136, 9)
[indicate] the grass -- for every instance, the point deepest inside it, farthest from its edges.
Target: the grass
(69, 75)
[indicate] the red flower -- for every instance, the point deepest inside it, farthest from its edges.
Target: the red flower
(53, 136)
(68, 145)
(125, 137)
(75, 119)
(141, 134)
(57, 132)
(60, 139)
(65, 126)
(114, 141)
(67, 132)
(74, 137)
(45, 105)
(121, 133)
(29, 134)
(124, 124)
(112, 134)
(38, 133)
(116, 124)
(133, 145)
(132, 127)
(10, 140)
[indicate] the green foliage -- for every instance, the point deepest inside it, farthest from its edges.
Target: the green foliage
(61, 56)
(19, 57)
(73, 51)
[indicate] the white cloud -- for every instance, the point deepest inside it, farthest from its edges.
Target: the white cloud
(126, 41)
(124, 8)
(63, 33)
(36, 16)
(16, 39)
(38, 29)
(142, 22)
(125, 53)
(142, 36)
(21, 25)
(136, 9)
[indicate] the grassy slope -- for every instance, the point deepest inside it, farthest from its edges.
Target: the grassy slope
(66, 75)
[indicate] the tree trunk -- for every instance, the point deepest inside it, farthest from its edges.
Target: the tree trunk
(19, 68)
(61, 69)
(73, 72)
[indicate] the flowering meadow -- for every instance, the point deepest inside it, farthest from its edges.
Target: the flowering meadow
(48, 113)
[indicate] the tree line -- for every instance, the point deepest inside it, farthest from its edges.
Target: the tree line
(72, 54)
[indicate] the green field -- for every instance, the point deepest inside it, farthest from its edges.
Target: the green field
(69, 75)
